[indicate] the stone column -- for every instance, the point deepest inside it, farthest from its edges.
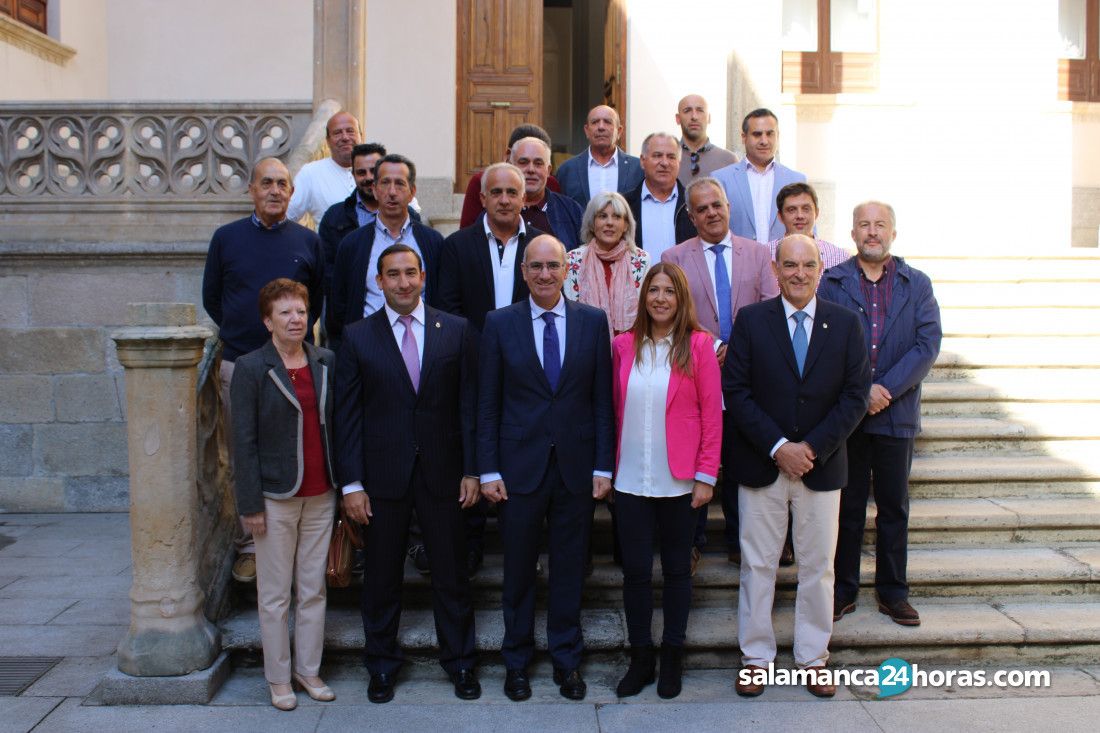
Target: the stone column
(339, 54)
(168, 633)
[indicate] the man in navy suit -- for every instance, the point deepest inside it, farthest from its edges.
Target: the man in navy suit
(602, 167)
(404, 424)
(545, 436)
(354, 294)
(752, 183)
(796, 382)
(901, 322)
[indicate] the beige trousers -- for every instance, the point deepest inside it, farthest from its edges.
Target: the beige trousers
(294, 549)
(816, 516)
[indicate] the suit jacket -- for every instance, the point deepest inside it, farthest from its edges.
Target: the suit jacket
(573, 176)
(565, 216)
(742, 217)
(693, 407)
(383, 427)
(908, 345)
(766, 399)
(751, 281)
(340, 220)
(349, 281)
(267, 424)
(467, 290)
(684, 228)
(520, 419)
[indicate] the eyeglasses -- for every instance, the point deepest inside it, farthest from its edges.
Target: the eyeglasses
(695, 163)
(540, 266)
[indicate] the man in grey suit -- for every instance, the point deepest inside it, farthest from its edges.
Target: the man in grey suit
(751, 183)
(602, 167)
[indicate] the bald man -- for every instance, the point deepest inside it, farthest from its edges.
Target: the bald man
(322, 183)
(603, 166)
(699, 157)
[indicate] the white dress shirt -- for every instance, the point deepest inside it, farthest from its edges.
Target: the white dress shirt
(808, 324)
(602, 177)
(392, 317)
(643, 458)
(658, 222)
(761, 186)
(504, 268)
(373, 299)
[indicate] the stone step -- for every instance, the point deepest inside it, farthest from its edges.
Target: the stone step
(1019, 320)
(1020, 351)
(977, 476)
(1069, 268)
(1069, 293)
(989, 630)
(1000, 436)
(1029, 383)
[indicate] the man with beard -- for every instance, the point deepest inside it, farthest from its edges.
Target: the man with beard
(901, 324)
(699, 157)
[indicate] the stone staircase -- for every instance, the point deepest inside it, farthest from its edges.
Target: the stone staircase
(1004, 559)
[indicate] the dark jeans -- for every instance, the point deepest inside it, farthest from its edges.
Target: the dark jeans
(671, 522)
(885, 461)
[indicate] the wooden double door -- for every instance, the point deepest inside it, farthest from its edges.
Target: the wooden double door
(500, 75)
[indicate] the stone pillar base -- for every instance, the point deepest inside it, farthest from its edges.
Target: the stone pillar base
(197, 688)
(152, 652)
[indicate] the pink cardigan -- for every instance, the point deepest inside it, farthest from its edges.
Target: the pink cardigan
(693, 412)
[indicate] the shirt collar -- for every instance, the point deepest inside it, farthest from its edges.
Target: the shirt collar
(810, 309)
(887, 269)
(646, 193)
(537, 311)
(726, 240)
(417, 313)
(702, 148)
(522, 232)
(404, 227)
(360, 205)
(611, 163)
(767, 169)
(541, 204)
(277, 225)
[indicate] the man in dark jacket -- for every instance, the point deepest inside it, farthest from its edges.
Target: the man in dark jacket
(901, 325)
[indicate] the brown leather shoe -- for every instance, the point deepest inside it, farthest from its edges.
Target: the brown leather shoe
(840, 608)
(900, 612)
(748, 689)
(695, 555)
(734, 555)
(817, 687)
(786, 557)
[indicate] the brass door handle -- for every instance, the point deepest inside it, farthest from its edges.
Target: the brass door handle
(500, 105)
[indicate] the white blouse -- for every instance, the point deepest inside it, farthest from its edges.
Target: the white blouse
(643, 457)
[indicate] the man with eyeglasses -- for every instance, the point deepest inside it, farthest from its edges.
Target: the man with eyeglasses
(545, 451)
(699, 156)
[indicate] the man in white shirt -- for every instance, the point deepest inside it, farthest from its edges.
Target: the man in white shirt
(602, 167)
(321, 183)
(751, 183)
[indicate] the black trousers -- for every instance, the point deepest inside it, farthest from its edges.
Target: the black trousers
(884, 461)
(441, 520)
(568, 516)
(671, 522)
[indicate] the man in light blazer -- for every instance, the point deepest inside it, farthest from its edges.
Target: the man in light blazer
(405, 404)
(602, 166)
(796, 383)
(746, 269)
(545, 450)
(751, 183)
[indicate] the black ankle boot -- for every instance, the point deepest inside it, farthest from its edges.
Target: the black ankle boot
(672, 670)
(639, 673)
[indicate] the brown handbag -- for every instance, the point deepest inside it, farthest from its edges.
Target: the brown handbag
(345, 539)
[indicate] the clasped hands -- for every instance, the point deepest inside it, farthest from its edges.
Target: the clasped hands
(795, 460)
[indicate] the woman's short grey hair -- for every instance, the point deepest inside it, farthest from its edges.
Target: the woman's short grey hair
(619, 206)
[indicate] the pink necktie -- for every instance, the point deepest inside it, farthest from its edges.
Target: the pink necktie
(409, 353)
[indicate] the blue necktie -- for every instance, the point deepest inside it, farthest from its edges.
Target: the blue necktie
(722, 293)
(799, 340)
(551, 352)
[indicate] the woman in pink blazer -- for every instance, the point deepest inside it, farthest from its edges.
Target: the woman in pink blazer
(668, 410)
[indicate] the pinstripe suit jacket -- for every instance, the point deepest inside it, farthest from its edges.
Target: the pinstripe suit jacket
(383, 427)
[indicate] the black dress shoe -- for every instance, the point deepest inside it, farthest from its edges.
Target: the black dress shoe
(419, 556)
(466, 685)
(572, 685)
(381, 687)
(841, 608)
(474, 558)
(516, 685)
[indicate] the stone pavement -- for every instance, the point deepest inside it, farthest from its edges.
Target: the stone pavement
(64, 580)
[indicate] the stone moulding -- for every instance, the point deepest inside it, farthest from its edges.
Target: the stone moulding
(33, 41)
(140, 151)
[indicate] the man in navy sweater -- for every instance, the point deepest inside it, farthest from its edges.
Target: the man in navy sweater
(244, 256)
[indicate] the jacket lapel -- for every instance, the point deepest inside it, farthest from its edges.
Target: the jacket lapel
(484, 259)
(702, 273)
(778, 325)
(526, 336)
(584, 175)
(574, 333)
(818, 336)
(741, 182)
(383, 332)
(898, 298)
(278, 374)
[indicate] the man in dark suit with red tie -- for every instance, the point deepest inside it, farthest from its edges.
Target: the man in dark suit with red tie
(545, 437)
(404, 426)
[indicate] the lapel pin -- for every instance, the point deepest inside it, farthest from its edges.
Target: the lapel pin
(437, 324)
(824, 325)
